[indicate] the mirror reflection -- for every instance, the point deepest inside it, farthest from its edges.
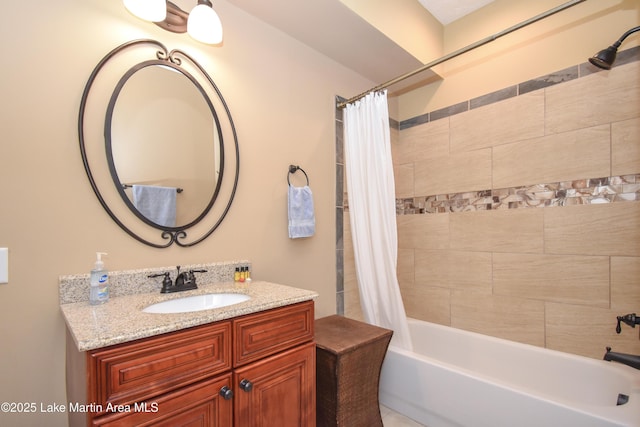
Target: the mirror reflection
(164, 146)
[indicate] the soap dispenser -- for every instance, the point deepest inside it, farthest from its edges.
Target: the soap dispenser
(99, 282)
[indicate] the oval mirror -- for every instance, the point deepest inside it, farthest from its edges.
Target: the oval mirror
(169, 144)
(162, 138)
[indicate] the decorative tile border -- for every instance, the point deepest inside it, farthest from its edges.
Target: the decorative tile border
(339, 205)
(579, 192)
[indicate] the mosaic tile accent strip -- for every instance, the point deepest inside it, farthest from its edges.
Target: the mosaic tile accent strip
(579, 192)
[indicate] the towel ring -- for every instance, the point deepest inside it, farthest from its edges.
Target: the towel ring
(294, 169)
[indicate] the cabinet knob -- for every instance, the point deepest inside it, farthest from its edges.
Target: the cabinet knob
(226, 393)
(246, 385)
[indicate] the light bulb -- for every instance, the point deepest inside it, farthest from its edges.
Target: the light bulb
(149, 10)
(204, 24)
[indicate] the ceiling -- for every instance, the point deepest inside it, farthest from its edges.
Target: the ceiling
(335, 30)
(447, 11)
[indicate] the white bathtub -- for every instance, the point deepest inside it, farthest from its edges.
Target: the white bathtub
(460, 378)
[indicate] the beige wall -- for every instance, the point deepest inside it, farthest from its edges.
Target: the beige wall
(281, 95)
(559, 41)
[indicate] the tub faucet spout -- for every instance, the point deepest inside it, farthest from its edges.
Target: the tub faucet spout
(627, 359)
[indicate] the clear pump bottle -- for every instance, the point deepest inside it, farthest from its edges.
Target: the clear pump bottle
(99, 282)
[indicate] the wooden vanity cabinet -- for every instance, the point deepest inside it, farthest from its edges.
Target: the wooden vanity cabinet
(274, 368)
(254, 370)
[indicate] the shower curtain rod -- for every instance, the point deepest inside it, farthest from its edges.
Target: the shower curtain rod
(458, 52)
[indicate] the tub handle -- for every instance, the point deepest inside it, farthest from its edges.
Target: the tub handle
(630, 319)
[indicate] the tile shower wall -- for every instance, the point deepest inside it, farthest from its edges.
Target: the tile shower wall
(519, 212)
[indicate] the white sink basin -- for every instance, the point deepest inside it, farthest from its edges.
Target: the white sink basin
(196, 303)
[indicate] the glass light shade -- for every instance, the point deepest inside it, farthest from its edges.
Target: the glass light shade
(149, 10)
(204, 25)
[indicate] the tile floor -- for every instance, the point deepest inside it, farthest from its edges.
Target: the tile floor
(393, 419)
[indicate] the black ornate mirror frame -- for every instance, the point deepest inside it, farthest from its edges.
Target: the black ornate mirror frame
(131, 223)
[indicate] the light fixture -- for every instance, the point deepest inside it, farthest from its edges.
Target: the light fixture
(149, 10)
(202, 23)
(606, 57)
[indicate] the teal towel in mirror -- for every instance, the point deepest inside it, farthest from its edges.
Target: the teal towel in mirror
(157, 204)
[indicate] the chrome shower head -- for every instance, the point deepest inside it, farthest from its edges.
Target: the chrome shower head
(606, 57)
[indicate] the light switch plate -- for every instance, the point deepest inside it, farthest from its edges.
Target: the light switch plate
(4, 265)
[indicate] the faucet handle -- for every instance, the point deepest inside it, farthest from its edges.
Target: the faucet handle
(166, 282)
(192, 277)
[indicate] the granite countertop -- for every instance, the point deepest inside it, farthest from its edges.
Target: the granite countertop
(121, 319)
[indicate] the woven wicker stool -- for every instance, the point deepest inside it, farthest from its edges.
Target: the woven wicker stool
(349, 357)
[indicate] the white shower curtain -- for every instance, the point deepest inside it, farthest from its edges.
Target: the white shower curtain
(372, 211)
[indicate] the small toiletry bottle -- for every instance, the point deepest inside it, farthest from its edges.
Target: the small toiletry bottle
(99, 282)
(236, 275)
(242, 274)
(247, 275)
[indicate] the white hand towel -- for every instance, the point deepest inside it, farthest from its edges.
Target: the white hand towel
(302, 222)
(157, 204)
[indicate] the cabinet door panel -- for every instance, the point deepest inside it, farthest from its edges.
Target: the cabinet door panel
(282, 392)
(197, 405)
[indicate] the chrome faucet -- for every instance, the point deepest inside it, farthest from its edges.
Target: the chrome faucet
(185, 281)
(626, 359)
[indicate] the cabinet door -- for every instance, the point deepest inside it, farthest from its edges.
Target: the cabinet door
(197, 405)
(280, 391)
